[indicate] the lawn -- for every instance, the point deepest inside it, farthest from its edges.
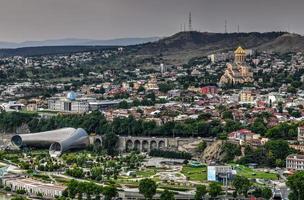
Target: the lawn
(251, 173)
(195, 173)
(146, 173)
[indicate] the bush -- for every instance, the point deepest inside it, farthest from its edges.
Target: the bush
(6, 188)
(20, 191)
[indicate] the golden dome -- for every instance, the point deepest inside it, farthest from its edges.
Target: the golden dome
(239, 50)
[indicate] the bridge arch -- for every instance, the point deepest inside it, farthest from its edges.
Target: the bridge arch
(129, 145)
(97, 142)
(153, 145)
(137, 145)
(161, 144)
(145, 146)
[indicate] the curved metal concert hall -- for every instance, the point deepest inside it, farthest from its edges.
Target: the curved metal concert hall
(58, 141)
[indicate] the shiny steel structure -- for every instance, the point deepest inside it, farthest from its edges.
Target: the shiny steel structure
(58, 141)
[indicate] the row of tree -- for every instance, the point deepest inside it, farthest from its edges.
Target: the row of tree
(96, 122)
(170, 154)
(87, 190)
(272, 154)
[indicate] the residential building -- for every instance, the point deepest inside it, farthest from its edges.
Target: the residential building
(242, 134)
(209, 90)
(33, 187)
(247, 95)
(295, 162)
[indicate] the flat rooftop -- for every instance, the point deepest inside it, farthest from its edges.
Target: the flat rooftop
(34, 183)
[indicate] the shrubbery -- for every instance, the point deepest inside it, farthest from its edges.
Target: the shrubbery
(170, 154)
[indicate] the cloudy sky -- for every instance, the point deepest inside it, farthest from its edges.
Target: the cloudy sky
(23, 20)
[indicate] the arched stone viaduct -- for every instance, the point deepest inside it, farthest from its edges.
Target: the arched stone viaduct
(142, 144)
(146, 144)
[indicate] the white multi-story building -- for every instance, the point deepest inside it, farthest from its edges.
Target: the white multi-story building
(78, 105)
(295, 162)
(64, 105)
(33, 187)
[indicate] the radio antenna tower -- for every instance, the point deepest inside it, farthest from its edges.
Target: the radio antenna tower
(225, 25)
(190, 22)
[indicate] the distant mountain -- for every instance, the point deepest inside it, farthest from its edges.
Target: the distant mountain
(79, 42)
(182, 46)
(176, 49)
(50, 50)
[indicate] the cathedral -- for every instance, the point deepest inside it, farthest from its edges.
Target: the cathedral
(238, 72)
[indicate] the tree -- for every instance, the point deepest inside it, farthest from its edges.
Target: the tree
(109, 143)
(164, 87)
(109, 192)
(231, 151)
(215, 189)
(227, 115)
(201, 146)
(291, 89)
(19, 198)
(296, 184)
(72, 188)
(280, 107)
(123, 105)
(259, 126)
(76, 172)
(256, 193)
(279, 150)
(147, 187)
(266, 193)
(141, 89)
(241, 185)
(201, 191)
(167, 195)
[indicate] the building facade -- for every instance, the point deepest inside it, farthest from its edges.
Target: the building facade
(33, 187)
(247, 95)
(295, 162)
(72, 104)
(220, 173)
(209, 90)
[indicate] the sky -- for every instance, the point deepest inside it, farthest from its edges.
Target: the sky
(28, 20)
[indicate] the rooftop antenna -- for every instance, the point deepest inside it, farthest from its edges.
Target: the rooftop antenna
(225, 25)
(238, 28)
(181, 27)
(184, 27)
(190, 22)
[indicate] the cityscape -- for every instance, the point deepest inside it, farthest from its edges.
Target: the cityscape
(205, 110)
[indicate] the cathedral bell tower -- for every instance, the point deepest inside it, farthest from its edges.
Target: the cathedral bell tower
(239, 55)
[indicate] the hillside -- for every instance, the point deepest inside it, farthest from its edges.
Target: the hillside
(182, 46)
(285, 43)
